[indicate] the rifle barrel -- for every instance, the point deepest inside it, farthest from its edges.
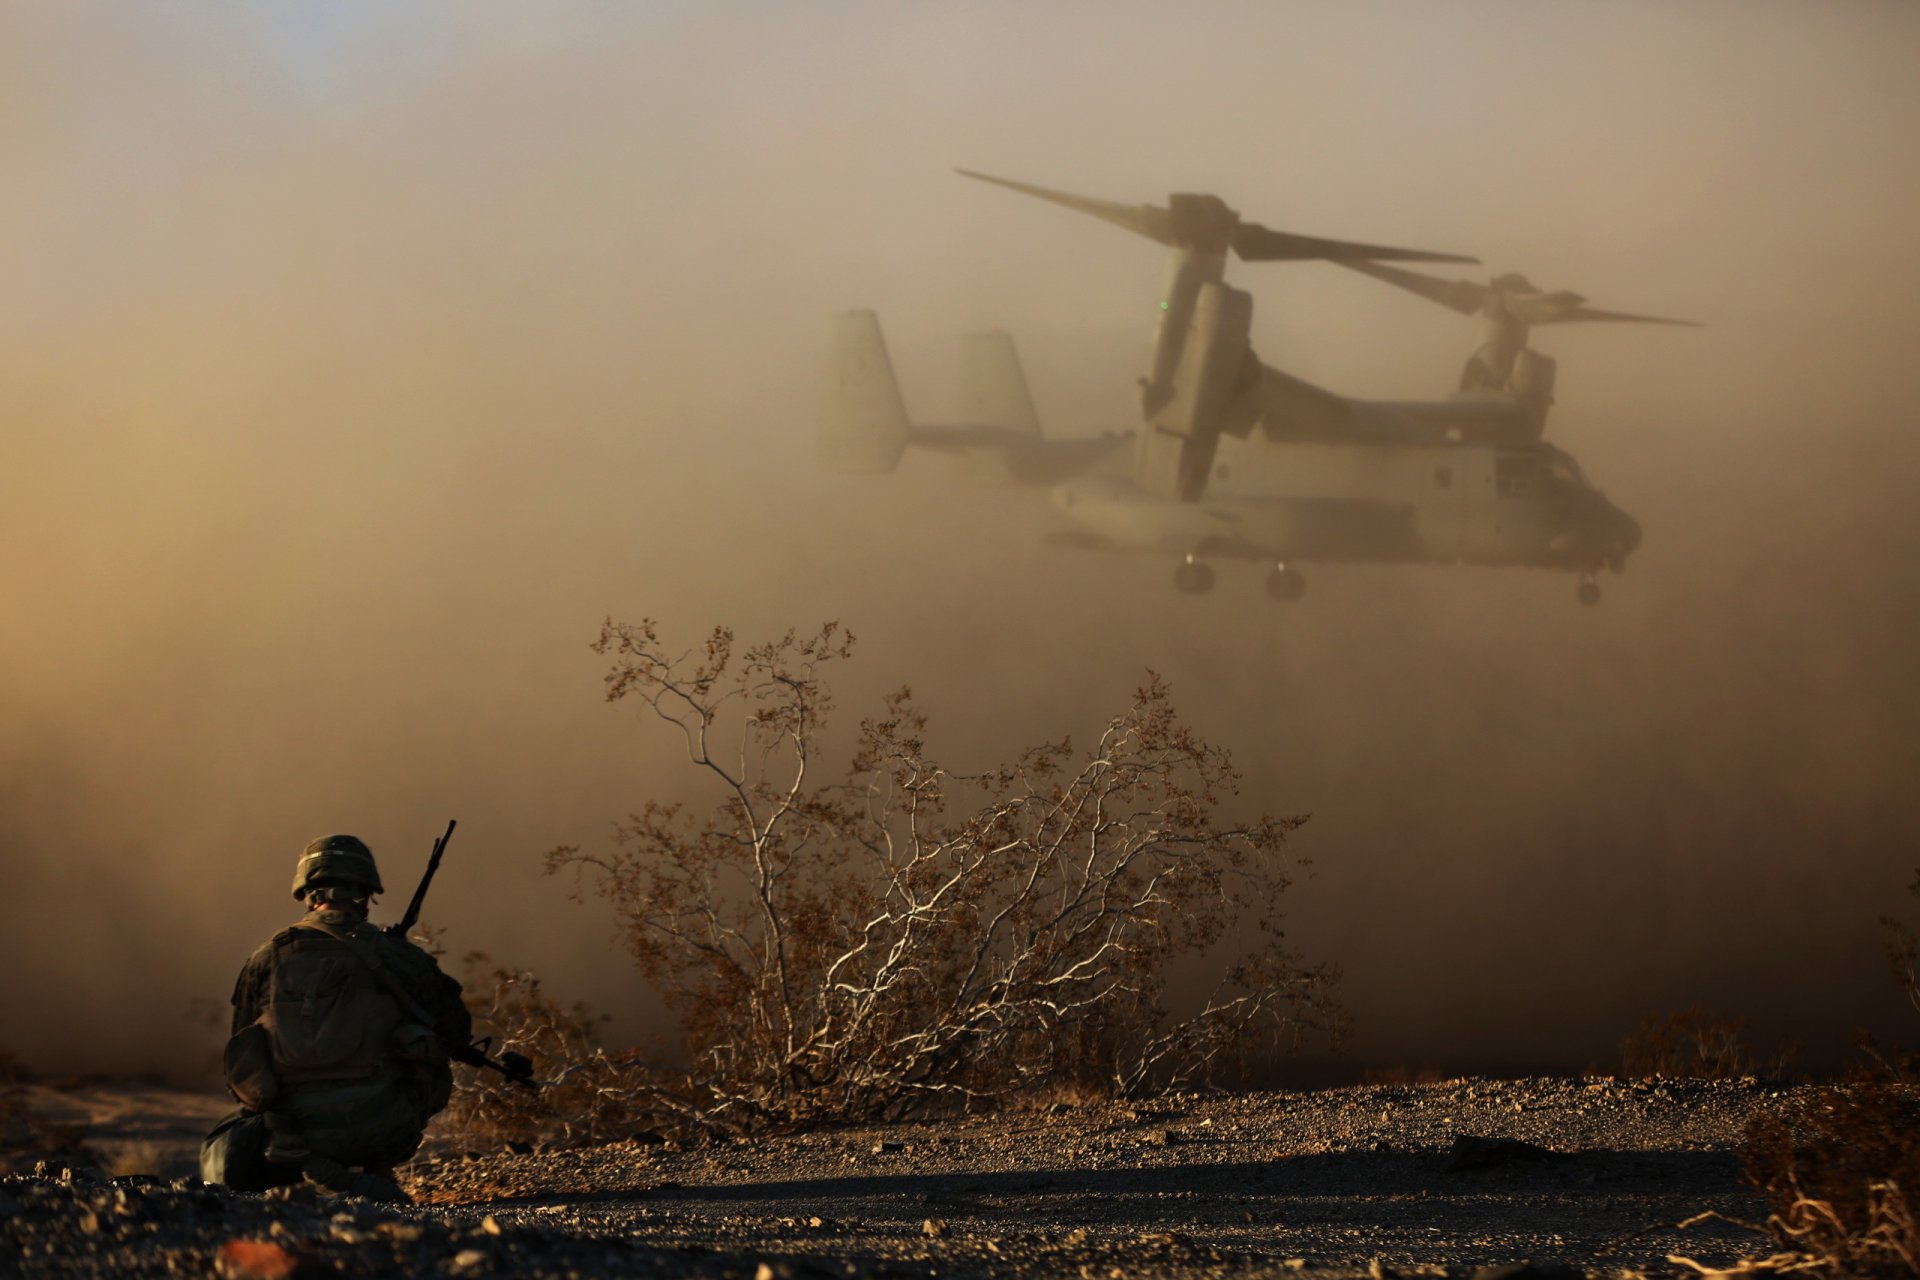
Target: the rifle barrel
(412, 917)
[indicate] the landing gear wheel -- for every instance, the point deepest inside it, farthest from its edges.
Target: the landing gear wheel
(1194, 577)
(1285, 584)
(1589, 593)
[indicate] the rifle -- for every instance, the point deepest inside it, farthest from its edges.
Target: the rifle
(412, 917)
(515, 1067)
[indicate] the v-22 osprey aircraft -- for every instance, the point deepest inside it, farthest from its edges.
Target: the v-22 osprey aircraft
(1467, 480)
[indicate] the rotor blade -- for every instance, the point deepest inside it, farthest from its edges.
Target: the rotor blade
(1255, 243)
(1594, 313)
(1148, 220)
(1463, 296)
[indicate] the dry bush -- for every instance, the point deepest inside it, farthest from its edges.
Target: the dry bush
(899, 937)
(590, 1095)
(1841, 1168)
(1404, 1075)
(1696, 1044)
(1837, 1169)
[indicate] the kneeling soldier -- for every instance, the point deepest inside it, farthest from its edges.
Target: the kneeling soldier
(341, 1037)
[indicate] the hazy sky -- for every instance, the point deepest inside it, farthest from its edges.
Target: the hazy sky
(358, 359)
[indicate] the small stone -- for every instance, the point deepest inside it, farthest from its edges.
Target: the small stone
(1543, 1270)
(468, 1260)
(255, 1260)
(490, 1225)
(888, 1148)
(935, 1229)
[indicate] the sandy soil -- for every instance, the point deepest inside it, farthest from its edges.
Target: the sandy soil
(1440, 1178)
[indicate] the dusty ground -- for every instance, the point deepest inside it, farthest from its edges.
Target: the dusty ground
(1340, 1182)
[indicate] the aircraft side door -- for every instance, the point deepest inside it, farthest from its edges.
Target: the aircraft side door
(1445, 479)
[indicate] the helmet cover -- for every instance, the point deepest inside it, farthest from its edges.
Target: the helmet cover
(336, 859)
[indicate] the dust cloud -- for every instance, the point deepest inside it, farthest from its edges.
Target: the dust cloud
(357, 360)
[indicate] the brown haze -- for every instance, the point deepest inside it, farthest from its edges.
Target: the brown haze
(355, 361)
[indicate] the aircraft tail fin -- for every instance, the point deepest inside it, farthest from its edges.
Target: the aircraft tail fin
(993, 385)
(863, 422)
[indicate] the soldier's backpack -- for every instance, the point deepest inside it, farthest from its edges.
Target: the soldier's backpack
(330, 1013)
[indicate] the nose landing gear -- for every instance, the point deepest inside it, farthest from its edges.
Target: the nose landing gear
(1589, 593)
(1193, 577)
(1284, 583)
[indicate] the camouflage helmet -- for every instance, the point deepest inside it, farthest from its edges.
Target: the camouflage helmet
(337, 859)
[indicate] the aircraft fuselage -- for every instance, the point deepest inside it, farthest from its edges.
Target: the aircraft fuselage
(1329, 501)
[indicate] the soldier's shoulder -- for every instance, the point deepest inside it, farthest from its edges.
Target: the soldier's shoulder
(263, 954)
(401, 951)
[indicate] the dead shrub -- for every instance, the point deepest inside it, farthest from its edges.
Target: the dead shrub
(1837, 1169)
(1841, 1168)
(900, 937)
(1404, 1075)
(590, 1095)
(1696, 1044)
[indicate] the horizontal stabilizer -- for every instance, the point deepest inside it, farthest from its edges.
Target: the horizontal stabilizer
(863, 422)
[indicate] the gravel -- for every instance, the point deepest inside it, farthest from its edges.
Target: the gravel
(1418, 1179)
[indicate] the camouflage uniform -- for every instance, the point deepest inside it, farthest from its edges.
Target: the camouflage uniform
(386, 1021)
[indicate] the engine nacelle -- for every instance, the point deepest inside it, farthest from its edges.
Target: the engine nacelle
(1175, 450)
(1532, 386)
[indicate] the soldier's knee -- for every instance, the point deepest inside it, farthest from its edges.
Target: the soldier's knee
(234, 1155)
